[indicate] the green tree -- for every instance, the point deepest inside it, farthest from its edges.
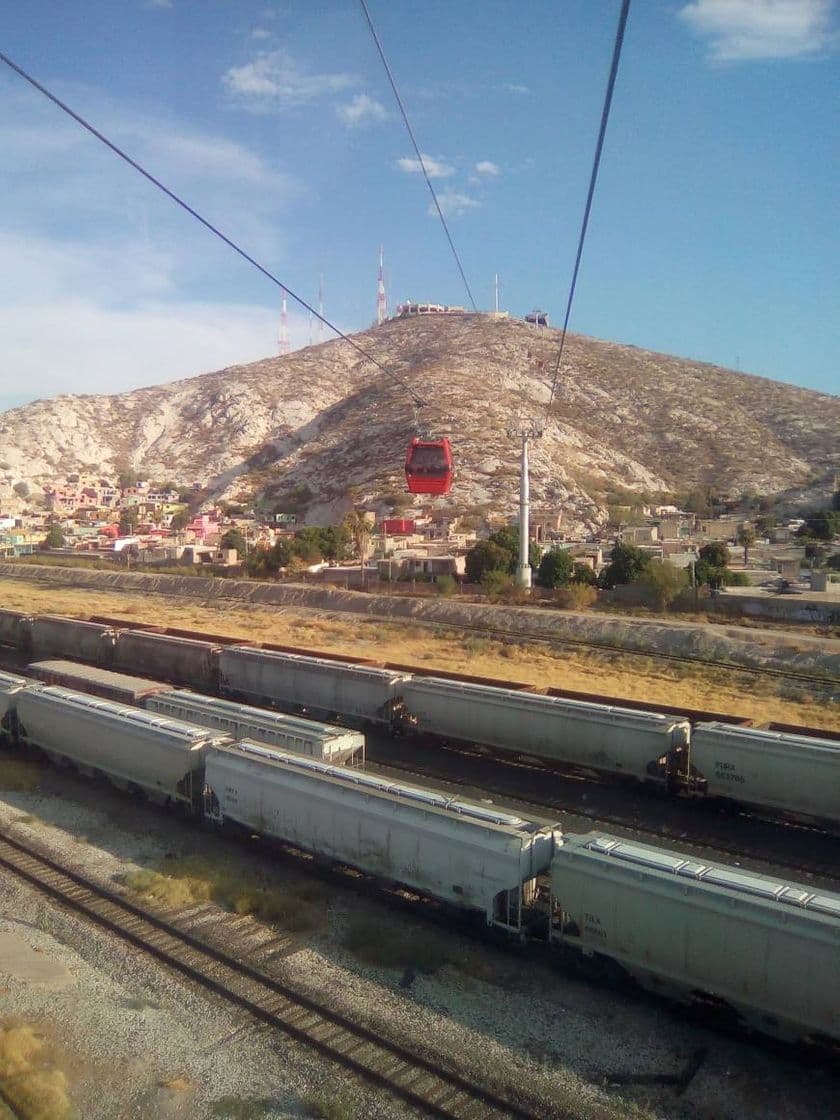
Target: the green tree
(764, 523)
(126, 476)
(556, 568)
(746, 538)
(180, 520)
(835, 500)
(128, 520)
(584, 575)
(234, 538)
(815, 553)
(484, 557)
(54, 538)
(713, 564)
(663, 582)
(21, 489)
(823, 524)
(627, 562)
(508, 539)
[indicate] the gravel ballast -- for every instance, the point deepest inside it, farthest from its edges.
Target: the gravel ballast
(136, 1041)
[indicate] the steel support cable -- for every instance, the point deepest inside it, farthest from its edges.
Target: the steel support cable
(416, 146)
(605, 115)
(418, 401)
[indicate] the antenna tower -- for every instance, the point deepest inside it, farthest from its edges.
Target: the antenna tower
(283, 339)
(321, 308)
(381, 297)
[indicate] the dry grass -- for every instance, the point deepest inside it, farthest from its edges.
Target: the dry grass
(30, 1083)
(618, 675)
(235, 886)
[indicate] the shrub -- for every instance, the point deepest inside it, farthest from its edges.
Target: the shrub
(446, 585)
(496, 583)
(576, 597)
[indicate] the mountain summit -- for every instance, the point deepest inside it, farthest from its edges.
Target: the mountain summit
(321, 420)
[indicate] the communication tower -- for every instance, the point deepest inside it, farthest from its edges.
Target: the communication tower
(283, 339)
(321, 308)
(381, 297)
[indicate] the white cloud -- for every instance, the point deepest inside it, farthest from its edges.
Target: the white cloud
(436, 168)
(487, 167)
(361, 110)
(261, 34)
(516, 87)
(274, 78)
(78, 345)
(744, 30)
(103, 281)
(453, 203)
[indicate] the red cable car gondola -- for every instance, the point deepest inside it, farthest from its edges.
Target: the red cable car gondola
(428, 466)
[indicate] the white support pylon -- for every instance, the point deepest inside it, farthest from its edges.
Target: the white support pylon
(525, 434)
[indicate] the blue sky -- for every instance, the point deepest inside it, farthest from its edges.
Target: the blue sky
(713, 234)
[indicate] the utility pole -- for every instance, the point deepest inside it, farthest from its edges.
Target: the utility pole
(525, 434)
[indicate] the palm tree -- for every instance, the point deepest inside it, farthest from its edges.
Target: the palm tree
(746, 538)
(359, 529)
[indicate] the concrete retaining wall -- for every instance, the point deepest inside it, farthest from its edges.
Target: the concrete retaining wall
(725, 643)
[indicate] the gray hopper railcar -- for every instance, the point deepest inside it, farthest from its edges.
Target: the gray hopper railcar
(10, 688)
(56, 636)
(472, 856)
(766, 948)
(796, 775)
(119, 687)
(329, 688)
(136, 750)
(15, 628)
(302, 736)
(179, 660)
(645, 746)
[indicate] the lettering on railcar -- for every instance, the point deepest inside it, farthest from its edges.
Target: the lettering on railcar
(592, 925)
(726, 772)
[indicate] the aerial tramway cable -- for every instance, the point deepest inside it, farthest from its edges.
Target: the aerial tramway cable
(415, 397)
(417, 151)
(428, 461)
(605, 115)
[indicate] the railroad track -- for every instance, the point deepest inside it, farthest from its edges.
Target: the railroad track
(411, 1077)
(687, 830)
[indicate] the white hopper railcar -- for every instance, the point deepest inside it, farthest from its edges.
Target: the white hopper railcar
(472, 856)
(315, 683)
(797, 775)
(323, 741)
(764, 947)
(135, 749)
(646, 746)
(10, 687)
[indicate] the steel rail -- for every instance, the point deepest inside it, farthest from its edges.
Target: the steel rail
(414, 1079)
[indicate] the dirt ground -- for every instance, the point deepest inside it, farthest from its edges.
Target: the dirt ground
(614, 674)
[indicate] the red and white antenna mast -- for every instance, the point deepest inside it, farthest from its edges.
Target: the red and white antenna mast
(283, 339)
(381, 297)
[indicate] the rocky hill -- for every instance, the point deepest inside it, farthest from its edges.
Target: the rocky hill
(304, 428)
